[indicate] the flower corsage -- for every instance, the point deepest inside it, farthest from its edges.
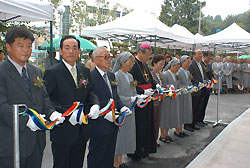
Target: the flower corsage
(82, 82)
(133, 83)
(38, 82)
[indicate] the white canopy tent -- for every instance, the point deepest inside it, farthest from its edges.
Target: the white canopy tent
(13, 10)
(184, 43)
(231, 38)
(138, 26)
(21, 10)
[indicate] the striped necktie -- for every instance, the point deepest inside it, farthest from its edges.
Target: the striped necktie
(73, 72)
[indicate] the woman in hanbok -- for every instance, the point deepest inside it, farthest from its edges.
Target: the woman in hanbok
(157, 64)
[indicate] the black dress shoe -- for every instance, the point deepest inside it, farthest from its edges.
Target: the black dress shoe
(169, 139)
(184, 134)
(162, 139)
(178, 135)
(200, 124)
(195, 128)
(205, 123)
(189, 128)
(123, 166)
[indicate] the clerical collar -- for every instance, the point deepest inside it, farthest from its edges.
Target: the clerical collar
(139, 60)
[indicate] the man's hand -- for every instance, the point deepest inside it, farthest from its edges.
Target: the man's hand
(56, 115)
(94, 111)
(109, 116)
(126, 109)
(149, 92)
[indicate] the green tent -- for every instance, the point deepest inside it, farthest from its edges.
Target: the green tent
(244, 56)
(86, 45)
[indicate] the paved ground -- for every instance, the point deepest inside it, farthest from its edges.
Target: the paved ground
(230, 148)
(181, 152)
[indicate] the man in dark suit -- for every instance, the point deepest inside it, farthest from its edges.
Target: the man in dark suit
(17, 87)
(102, 131)
(207, 57)
(63, 83)
(198, 75)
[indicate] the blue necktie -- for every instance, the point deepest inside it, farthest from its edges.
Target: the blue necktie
(26, 80)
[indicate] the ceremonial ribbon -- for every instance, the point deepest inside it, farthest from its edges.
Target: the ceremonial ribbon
(110, 107)
(41, 123)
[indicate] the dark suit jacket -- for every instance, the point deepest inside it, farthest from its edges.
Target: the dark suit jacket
(13, 91)
(102, 91)
(196, 75)
(63, 92)
(208, 70)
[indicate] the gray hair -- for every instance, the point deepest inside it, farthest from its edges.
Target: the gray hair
(97, 51)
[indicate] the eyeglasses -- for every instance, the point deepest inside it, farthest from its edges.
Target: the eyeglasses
(105, 57)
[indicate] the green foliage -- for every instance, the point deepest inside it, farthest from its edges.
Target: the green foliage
(212, 24)
(182, 12)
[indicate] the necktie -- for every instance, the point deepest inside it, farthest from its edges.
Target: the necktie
(73, 72)
(105, 77)
(26, 80)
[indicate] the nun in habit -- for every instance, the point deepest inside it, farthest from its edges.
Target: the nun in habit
(170, 117)
(185, 100)
(126, 138)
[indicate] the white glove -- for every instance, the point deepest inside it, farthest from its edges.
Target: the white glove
(142, 96)
(94, 111)
(56, 115)
(32, 125)
(109, 116)
(141, 99)
(126, 109)
(133, 98)
(73, 117)
(158, 85)
(148, 92)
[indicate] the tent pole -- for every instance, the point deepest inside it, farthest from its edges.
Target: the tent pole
(194, 47)
(155, 46)
(51, 43)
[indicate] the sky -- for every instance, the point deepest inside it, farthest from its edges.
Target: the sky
(212, 8)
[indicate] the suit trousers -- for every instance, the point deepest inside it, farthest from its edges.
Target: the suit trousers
(102, 144)
(196, 107)
(205, 98)
(68, 156)
(32, 161)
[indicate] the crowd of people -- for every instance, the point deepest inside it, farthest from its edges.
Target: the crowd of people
(127, 80)
(232, 71)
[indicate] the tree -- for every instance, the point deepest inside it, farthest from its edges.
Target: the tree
(79, 15)
(182, 12)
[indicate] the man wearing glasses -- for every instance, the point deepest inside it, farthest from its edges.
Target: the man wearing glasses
(102, 131)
